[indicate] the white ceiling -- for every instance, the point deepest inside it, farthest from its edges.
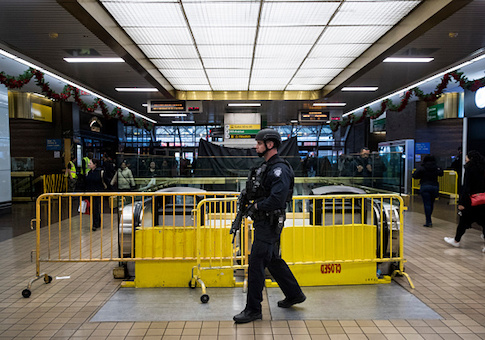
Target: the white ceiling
(253, 45)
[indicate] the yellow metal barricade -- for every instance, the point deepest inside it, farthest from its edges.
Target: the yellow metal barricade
(448, 184)
(327, 240)
(133, 227)
(55, 183)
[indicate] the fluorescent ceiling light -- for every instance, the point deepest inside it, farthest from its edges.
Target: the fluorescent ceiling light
(94, 60)
(407, 60)
(55, 76)
(294, 121)
(360, 88)
(244, 104)
(136, 89)
(172, 115)
(329, 104)
(144, 105)
(454, 68)
(183, 122)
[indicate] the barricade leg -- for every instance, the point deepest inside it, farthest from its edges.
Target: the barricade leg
(27, 292)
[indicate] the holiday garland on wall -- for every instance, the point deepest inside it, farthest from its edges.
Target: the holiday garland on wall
(16, 83)
(387, 104)
(70, 91)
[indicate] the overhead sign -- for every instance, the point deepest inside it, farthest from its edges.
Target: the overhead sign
(41, 112)
(171, 106)
(242, 130)
(313, 116)
(436, 112)
(161, 106)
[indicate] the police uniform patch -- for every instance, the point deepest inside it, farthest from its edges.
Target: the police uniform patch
(277, 172)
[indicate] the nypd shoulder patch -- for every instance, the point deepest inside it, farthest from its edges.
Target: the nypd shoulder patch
(277, 172)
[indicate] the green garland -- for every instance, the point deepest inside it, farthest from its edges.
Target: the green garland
(387, 104)
(18, 82)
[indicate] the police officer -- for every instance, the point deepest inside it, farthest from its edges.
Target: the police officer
(271, 185)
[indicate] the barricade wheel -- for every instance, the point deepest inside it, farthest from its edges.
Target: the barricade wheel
(48, 279)
(26, 293)
(204, 298)
(194, 285)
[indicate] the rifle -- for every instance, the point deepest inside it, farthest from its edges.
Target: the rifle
(242, 211)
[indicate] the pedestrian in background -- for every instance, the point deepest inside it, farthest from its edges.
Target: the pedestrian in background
(428, 174)
(124, 178)
(95, 183)
(473, 183)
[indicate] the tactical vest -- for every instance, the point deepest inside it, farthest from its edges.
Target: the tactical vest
(254, 184)
(85, 169)
(72, 170)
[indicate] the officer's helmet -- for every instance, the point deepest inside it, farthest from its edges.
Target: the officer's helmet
(269, 134)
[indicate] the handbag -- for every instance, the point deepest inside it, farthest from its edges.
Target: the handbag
(478, 199)
(84, 207)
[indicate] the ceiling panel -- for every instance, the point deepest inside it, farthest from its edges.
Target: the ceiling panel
(146, 14)
(297, 13)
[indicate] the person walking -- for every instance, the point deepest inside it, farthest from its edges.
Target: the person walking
(473, 183)
(124, 178)
(429, 187)
(269, 187)
(95, 183)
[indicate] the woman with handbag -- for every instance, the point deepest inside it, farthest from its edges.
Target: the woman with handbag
(473, 183)
(124, 178)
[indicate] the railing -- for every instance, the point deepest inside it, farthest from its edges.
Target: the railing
(158, 231)
(352, 236)
(65, 234)
(55, 183)
(448, 184)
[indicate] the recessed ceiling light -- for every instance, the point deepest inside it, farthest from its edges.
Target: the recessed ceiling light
(360, 88)
(244, 104)
(136, 89)
(94, 60)
(183, 122)
(172, 115)
(407, 60)
(329, 104)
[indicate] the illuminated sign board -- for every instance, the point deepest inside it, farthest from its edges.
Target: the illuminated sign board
(171, 106)
(242, 131)
(313, 116)
(161, 106)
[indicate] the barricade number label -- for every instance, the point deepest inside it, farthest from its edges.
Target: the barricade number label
(331, 268)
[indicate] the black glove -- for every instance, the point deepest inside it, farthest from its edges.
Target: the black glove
(252, 210)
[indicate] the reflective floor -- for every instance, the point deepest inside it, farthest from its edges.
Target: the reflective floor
(448, 281)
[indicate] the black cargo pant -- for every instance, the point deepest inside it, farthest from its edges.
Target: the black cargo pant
(266, 255)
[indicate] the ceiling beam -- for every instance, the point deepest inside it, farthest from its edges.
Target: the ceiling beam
(423, 18)
(92, 15)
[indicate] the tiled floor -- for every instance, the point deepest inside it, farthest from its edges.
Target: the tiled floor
(449, 280)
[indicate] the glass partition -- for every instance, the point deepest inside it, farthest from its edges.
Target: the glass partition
(384, 172)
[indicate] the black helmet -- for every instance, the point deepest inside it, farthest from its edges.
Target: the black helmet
(269, 134)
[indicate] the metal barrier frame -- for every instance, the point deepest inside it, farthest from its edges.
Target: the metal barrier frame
(444, 184)
(197, 270)
(113, 197)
